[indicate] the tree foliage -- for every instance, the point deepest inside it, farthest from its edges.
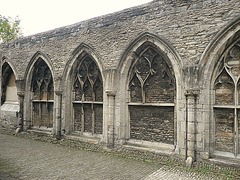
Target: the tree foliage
(9, 29)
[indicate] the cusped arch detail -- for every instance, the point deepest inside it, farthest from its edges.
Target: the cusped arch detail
(33, 60)
(159, 42)
(81, 51)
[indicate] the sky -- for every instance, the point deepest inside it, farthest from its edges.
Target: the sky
(42, 15)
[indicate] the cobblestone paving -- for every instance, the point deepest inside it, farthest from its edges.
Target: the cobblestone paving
(168, 174)
(29, 159)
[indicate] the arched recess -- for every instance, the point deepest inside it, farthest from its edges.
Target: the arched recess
(9, 89)
(219, 68)
(83, 96)
(150, 72)
(6, 60)
(39, 94)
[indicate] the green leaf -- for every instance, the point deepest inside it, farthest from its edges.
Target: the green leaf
(9, 29)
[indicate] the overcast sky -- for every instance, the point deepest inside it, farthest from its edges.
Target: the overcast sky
(38, 16)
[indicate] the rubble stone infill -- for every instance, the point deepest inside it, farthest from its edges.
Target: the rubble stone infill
(28, 156)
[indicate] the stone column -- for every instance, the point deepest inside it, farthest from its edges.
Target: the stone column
(109, 107)
(111, 117)
(58, 113)
(191, 104)
(20, 92)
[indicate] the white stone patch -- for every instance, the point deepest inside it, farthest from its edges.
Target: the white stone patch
(10, 106)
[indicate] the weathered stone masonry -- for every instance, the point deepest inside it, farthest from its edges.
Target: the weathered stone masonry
(163, 75)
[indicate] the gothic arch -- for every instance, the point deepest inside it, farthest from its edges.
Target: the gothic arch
(6, 60)
(33, 60)
(39, 93)
(149, 42)
(218, 81)
(161, 43)
(8, 84)
(82, 78)
(216, 47)
(81, 50)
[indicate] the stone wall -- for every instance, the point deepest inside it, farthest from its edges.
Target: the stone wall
(9, 116)
(189, 26)
(153, 124)
(190, 36)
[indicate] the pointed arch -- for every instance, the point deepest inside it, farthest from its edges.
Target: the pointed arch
(34, 59)
(8, 84)
(154, 52)
(219, 74)
(81, 51)
(14, 69)
(161, 43)
(83, 81)
(216, 48)
(40, 86)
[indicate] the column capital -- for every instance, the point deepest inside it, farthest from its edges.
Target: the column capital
(111, 92)
(58, 92)
(21, 93)
(192, 92)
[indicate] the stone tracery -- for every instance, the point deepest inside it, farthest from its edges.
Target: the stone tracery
(43, 95)
(152, 96)
(226, 106)
(88, 97)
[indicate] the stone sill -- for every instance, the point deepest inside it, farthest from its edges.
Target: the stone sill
(225, 154)
(154, 147)
(232, 162)
(87, 139)
(10, 106)
(41, 131)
